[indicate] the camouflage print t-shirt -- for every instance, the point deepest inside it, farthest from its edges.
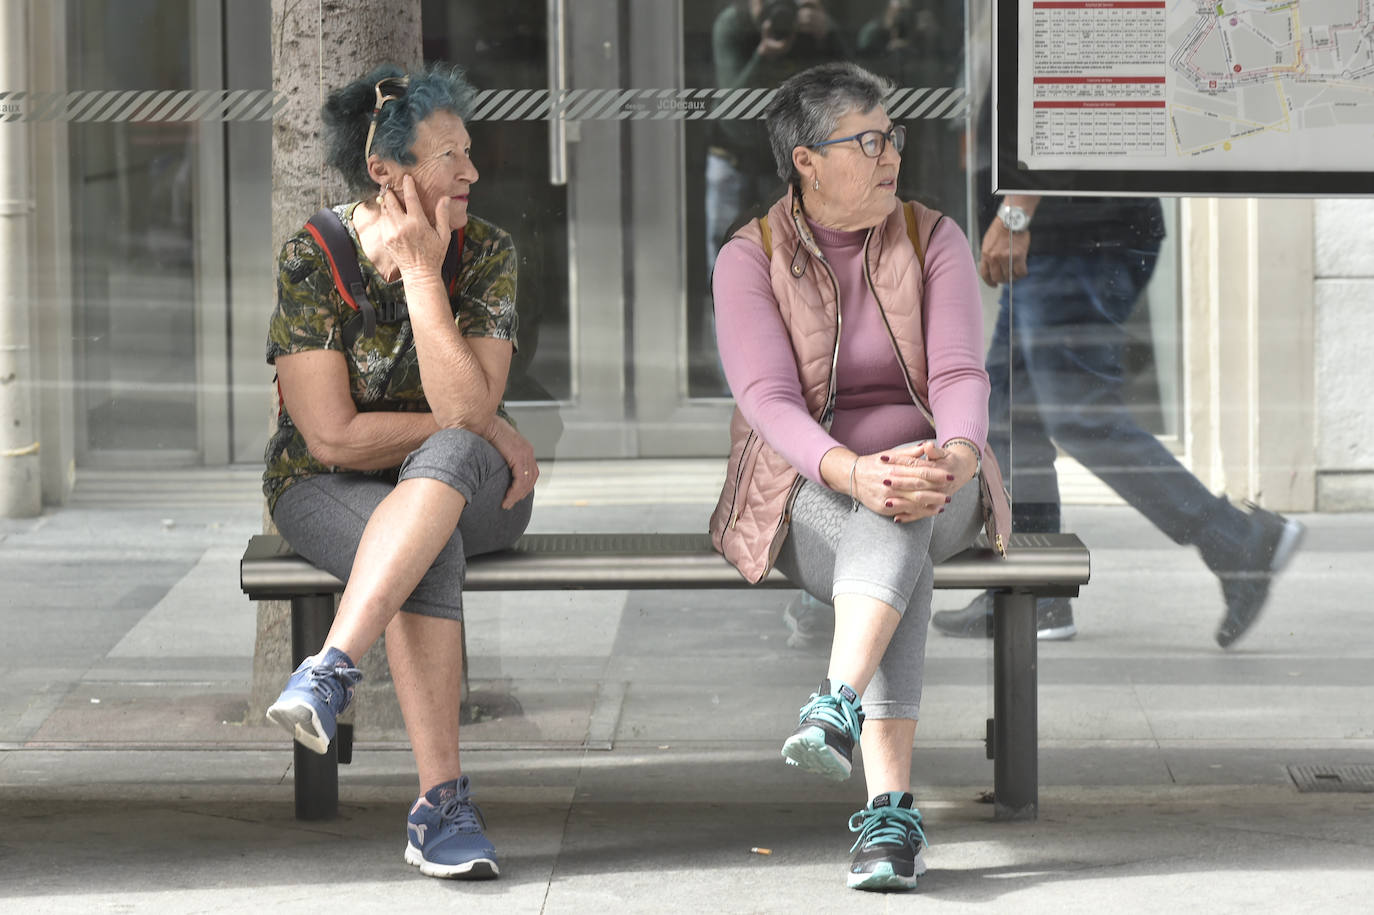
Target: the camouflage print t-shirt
(383, 370)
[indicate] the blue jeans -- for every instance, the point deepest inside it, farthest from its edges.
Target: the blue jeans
(1065, 367)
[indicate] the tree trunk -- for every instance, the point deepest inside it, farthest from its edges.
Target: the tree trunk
(318, 46)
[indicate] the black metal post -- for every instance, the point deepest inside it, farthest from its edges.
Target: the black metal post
(317, 777)
(1015, 741)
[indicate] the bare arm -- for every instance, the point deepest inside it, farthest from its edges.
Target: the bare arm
(464, 378)
(314, 386)
(1002, 247)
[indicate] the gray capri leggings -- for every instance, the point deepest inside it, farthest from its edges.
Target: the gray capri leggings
(831, 550)
(323, 516)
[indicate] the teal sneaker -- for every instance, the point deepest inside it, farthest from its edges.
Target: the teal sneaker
(887, 854)
(827, 729)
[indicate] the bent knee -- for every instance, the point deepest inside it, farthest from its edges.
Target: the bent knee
(458, 457)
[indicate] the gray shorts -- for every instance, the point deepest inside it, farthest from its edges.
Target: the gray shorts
(323, 516)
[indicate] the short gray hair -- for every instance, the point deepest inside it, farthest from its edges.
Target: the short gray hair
(806, 108)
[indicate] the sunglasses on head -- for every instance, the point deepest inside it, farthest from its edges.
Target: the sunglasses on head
(388, 89)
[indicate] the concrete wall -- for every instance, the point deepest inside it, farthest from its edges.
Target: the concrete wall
(1344, 298)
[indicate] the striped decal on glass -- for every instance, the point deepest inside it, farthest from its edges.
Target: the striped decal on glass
(228, 105)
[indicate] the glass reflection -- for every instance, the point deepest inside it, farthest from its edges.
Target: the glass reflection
(505, 46)
(132, 199)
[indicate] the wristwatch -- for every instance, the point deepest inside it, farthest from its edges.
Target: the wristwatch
(1013, 217)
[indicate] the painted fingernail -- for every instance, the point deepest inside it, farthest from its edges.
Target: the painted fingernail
(947, 499)
(940, 512)
(883, 458)
(887, 482)
(888, 503)
(950, 477)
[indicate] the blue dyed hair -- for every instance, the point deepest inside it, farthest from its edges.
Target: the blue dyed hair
(347, 114)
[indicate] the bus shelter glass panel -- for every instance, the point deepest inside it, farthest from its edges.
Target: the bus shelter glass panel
(133, 201)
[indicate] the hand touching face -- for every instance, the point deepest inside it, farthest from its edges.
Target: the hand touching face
(443, 169)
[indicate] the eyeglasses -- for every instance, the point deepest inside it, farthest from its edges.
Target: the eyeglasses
(400, 84)
(873, 142)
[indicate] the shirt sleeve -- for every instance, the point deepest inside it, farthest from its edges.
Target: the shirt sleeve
(486, 290)
(953, 319)
(759, 364)
(307, 316)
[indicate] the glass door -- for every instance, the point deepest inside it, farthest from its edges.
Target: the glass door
(700, 164)
(555, 184)
(133, 245)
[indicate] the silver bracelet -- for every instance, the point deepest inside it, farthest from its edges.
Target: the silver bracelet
(968, 443)
(853, 499)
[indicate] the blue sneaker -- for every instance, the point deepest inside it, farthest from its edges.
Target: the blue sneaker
(827, 729)
(444, 834)
(888, 850)
(315, 696)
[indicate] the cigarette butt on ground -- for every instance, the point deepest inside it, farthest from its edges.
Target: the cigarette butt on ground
(760, 851)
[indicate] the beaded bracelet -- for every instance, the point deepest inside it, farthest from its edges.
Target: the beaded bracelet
(968, 443)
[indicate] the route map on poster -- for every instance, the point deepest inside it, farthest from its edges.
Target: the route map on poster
(1225, 85)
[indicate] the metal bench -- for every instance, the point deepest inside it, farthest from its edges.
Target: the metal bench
(1037, 565)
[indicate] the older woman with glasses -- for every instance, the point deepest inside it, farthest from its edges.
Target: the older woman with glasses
(850, 329)
(393, 459)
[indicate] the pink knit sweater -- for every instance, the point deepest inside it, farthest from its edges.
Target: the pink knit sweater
(873, 409)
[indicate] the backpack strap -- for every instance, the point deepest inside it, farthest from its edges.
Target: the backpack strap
(329, 232)
(913, 233)
(453, 261)
(332, 236)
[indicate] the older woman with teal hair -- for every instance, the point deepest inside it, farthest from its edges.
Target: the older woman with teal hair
(393, 460)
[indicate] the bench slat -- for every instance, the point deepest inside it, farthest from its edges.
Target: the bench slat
(1049, 563)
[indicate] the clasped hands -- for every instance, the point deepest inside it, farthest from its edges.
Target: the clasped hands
(907, 483)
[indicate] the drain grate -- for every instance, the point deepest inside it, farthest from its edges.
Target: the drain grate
(1333, 779)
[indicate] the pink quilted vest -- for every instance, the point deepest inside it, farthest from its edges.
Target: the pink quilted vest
(749, 523)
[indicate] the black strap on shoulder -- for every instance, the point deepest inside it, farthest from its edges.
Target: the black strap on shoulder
(453, 261)
(329, 231)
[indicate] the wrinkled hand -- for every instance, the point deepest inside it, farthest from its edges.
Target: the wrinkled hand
(408, 234)
(519, 455)
(914, 481)
(999, 246)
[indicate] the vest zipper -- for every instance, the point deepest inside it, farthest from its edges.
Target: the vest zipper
(739, 476)
(892, 338)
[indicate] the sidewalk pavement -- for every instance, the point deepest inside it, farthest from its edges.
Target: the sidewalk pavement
(625, 743)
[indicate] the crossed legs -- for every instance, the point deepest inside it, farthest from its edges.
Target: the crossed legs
(880, 577)
(403, 552)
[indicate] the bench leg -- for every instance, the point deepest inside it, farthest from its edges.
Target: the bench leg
(316, 776)
(1014, 740)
